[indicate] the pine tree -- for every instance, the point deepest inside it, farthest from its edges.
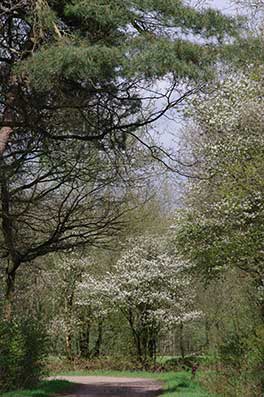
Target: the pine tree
(69, 69)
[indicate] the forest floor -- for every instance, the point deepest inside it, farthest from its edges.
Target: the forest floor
(103, 386)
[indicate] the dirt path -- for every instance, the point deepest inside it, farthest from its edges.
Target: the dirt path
(103, 386)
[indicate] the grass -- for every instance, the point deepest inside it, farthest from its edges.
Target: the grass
(176, 384)
(179, 384)
(45, 389)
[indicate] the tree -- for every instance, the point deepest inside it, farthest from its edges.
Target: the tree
(78, 58)
(56, 201)
(150, 288)
(225, 204)
(72, 78)
(72, 323)
(221, 230)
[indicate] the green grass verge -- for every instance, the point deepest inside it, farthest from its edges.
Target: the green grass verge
(45, 389)
(176, 384)
(179, 384)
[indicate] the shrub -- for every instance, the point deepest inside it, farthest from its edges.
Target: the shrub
(22, 349)
(239, 371)
(232, 351)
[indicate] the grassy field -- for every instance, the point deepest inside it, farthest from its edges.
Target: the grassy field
(176, 384)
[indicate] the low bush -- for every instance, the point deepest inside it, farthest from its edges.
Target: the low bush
(22, 350)
(114, 363)
(186, 363)
(239, 371)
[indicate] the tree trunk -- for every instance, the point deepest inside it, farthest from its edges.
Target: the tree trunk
(207, 330)
(68, 304)
(136, 337)
(144, 344)
(13, 256)
(68, 344)
(8, 115)
(85, 341)
(99, 340)
(9, 295)
(182, 341)
(152, 347)
(5, 133)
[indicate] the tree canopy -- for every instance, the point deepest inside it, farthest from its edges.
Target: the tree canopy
(73, 69)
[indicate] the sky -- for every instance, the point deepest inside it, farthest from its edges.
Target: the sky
(168, 130)
(221, 4)
(225, 6)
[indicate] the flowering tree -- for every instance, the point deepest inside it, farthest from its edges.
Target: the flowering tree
(221, 231)
(223, 226)
(72, 323)
(150, 287)
(63, 319)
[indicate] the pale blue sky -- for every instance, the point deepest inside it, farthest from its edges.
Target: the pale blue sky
(168, 128)
(221, 4)
(228, 7)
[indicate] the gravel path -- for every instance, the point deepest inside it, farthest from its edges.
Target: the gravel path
(105, 386)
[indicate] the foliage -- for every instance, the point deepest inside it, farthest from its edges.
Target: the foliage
(72, 325)
(100, 41)
(80, 65)
(221, 231)
(83, 331)
(242, 359)
(225, 213)
(22, 350)
(77, 86)
(149, 287)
